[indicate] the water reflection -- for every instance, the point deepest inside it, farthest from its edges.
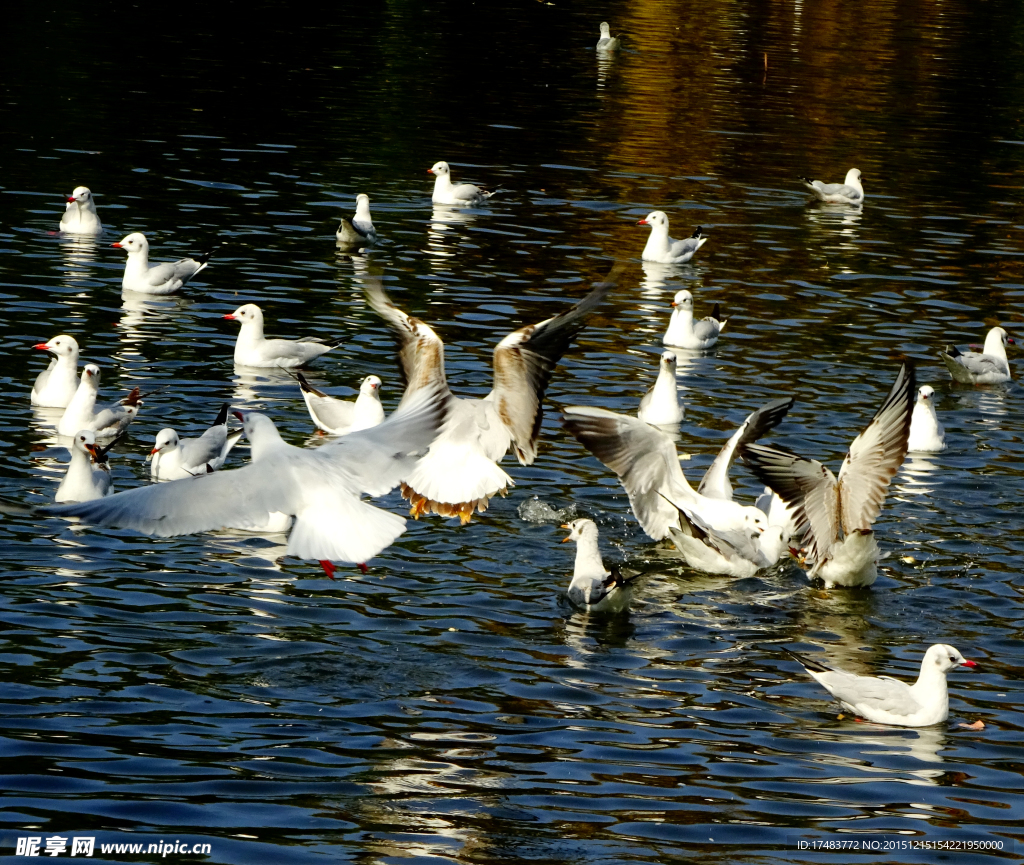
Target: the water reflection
(79, 254)
(139, 315)
(836, 227)
(442, 234)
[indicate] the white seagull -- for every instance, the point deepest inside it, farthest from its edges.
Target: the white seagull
(81, 413)
(445, 192)
(684, 332)
(358, 231)
(606, 42)
(662, 248)
(80, 214)
(835, 516)
(252, 348)
(460, 473)
(56, 385)
(340, 417)
(165, 278)
(174, 458)
(593, 586)
(713, 532)
(848, 192)
(660, 405)
(320, 487)
(889, 701)
(84, 480)
(926, 433)
(990, 366)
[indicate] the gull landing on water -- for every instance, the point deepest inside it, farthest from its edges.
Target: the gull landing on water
(593, 587)
(684, 332)
(80, 215)
(836, 516)
(358, 231)
(990, 366)
(849, 191)
(662, 248)
(445, 192)
(890, 701)
(165, 278)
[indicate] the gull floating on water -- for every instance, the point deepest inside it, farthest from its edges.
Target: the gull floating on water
(606, 42)
(358, 231)
(174, 458)
(849, 191)
(340, 417)
(989, 367)
(594, 587)
(662, 248)
(81, 413)
(320, 487)
(926, 433)
(890, 701)
(660, 405)
(252, 348)
(445, 192)
(836, 515)
(84, 479)
(56, 385)
(80, 214)
(684, 332)
(165, 278)
(460, 473)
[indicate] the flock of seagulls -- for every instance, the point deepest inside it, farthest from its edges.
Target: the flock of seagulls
(444, 451)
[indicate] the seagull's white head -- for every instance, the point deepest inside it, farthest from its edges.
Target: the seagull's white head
(133, 244)
(439, 168)
(755, 519)
(655, 219)
(62, 346)
(362, 199)
(260, 431)
(944, 658)
(668, 361)
(925, 394)
(166, 440)
(606, 31)
(370, 386)
(247, 313)
(81, 195)
(85, 441)
(853, 177)
(683, 300)
(91, 376)
(579, 529)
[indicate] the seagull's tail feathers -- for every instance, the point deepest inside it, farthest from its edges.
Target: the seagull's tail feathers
(808, 664)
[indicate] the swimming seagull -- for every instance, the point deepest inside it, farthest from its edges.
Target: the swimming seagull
(726, 536)
(320, 487)
(85, 479)
(463, 193)
(460, 473)
(889, 701)
(684, 332)
(989, 367)
(926, 433)
(606, 42)
(81, 413)
(358, 231)
(80, 215)
(165, 278)
(662, 248)
(594, 587)
(339, 416)
(253, 349)
(174, 458)
(835, 516)
(849, 191)
(56, 385)
(660, 405)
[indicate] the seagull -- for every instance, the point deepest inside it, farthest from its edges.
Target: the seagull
(320, 487)
(252, 348)
(988, 367)
(359, 231)
(889, 701)
(340, 417)
(660, 405)
(56, 385)
(926, 433)
(662, 248)
(593, 587)
(825, 507)
(684, 332)
(606, 42)
(165, 278)
(81, 413)
(85, 481)
(463, 193)
(174, 458)
(848, 192)
(460, 473)
(80, 214)
(725, 534)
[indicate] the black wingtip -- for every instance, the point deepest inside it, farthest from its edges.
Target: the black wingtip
(101, 453)
(716, 313)
(222, 416)
(206, 256)
(807, 663)
(697, 232)
(807, 180)
(952, 351)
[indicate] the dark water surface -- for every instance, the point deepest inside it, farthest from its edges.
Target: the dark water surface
(448, 706)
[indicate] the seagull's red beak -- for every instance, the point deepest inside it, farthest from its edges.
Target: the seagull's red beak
(230, 316)
(93, 450)
(154, 451)
(1009, 339)
(72, 198)
(642, 222)
(673, 303)
(430, 171)
(42, 346)
(239, 415)
(116, 245)
(968, 664)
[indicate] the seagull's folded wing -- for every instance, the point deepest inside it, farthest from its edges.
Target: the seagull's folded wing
(887, 695)
(329, 413)
(208, 448)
